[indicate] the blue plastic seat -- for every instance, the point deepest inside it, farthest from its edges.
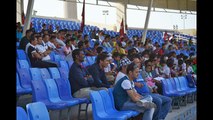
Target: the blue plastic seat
(44, 73)
(173, 89)
(133, 113)
(35, 74)
(21, 54)
(19, 89)
(53, 94)
(109, 106)
(183, 82)
(55, 74)
(70, 63)
(23, 64)
(64, 73)
(98, 109)
(37, 111)
(64, 65)
(40, 94)
(21, 114)
(25, 79)
(64, 90)
(181, 87)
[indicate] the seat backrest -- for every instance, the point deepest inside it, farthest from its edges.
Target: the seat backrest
(165, 87)
(35, 74)
(57, 58)
(107, 101)
(25, 79)
(23, 64)
(110, 90)
(44, 73)
(54, 72)
(170, 86)
(52, 90)
(178, 86)
(177, 81)
(18, 85)
(97, 105)
(21, 114)
(70, 63)
(63, 73)
(21, 54)
(39, 92)
(37, 111)
(183, 82)
(63, 88)
(64, 64)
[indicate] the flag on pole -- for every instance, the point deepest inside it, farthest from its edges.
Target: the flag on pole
(83, 17)
(121, 29)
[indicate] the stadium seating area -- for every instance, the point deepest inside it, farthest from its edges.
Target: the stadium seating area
(51, 90)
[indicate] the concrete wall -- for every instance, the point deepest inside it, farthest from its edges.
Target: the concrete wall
(70, 10)
(192, 32)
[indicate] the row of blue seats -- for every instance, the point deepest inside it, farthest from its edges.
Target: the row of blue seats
(55, 93)
(24, 76)
(178, 89)
(103, 107)
(34, 111)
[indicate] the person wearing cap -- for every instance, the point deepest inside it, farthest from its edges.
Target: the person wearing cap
(122, 69)
(97, 71)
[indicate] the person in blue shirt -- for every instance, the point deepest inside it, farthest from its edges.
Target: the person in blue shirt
(81, 81)
(97, 71)
(163, 103)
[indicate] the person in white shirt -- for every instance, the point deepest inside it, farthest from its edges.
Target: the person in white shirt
(41, 47)
(165, 71)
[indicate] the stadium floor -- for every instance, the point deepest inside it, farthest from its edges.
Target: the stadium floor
(184, 113)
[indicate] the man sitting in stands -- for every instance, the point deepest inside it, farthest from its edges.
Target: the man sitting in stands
(36, 57)
(81, 81)
(127, 98)
(97, 71)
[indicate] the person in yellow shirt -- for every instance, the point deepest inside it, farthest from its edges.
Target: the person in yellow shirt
(118, 48)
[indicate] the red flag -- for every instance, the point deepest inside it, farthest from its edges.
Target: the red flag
(83, 17)
(122, 29)
(165, 35)
(22, 17)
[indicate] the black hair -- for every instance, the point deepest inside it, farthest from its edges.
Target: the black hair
(67, 41)
(101, 57)
(32, 38)
(115, 54)
(75, 52)
(96, 44)
(52, 37)
(80, 44)
(99, 49)
(86, 42)
(180, 62)
(131, 67)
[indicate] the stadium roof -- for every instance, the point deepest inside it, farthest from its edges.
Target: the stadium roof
(181, 5)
